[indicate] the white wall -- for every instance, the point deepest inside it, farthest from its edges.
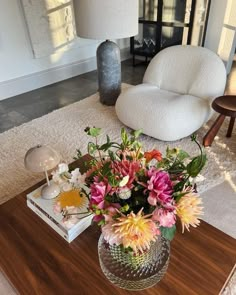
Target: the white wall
(215, 23)
(20, 71)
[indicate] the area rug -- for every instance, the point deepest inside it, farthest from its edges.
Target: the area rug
(229, 287)
(63, 129)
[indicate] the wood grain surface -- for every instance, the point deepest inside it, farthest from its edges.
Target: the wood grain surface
(36, 260)
(226, 106)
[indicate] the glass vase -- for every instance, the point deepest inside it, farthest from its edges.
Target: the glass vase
(134, 272)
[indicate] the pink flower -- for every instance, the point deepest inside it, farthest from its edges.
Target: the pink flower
(70, 220)
(164, 217)
(124, 168)
(98, 192)
(57, 208)
(155, 229)
(111, 211)
(107, 213)
(160, 187)
(110, 235)
(95, 168)
(98, 218)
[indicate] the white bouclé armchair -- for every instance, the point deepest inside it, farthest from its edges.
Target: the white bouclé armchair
(175, 97)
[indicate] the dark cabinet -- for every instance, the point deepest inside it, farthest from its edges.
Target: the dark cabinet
(162, 23)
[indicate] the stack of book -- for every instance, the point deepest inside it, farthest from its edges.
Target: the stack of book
(44, 209)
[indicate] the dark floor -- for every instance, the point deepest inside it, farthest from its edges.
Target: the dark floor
(23, 108)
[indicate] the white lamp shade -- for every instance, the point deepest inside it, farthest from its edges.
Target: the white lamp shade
(41, 158)
(106, 19)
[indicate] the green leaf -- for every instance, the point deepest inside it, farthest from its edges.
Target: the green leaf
(91, 148)
(137, 145)
(106, 169)
(105, 146)
(194, 137)
(124, 136)
(179, 186)
(177, 196)
(78, 154)
(168, 232)
(112, 155)
(196, 165)
(170, 153)
(136, 133)
(101, 222)
(93, 131)
(125, 208)
(113, 181)
(182, 155)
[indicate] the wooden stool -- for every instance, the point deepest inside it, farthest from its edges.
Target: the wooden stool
(226, 106)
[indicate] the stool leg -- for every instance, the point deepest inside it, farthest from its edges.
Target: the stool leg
(231, 125)
(209, 137)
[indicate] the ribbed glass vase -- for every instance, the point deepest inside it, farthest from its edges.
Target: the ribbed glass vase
(134, 272)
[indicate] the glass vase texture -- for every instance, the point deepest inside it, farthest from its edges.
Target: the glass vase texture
(134, 272)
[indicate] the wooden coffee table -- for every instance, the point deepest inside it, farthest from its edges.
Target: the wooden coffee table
(36, 260)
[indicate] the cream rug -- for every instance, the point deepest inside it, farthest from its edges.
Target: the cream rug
(63, 129)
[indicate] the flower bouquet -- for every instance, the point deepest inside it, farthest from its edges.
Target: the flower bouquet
(137, 197)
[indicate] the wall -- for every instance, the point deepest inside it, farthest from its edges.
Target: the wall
(21, 72)
(215, 23)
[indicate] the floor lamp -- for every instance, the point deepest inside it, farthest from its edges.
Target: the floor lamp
(104, 20)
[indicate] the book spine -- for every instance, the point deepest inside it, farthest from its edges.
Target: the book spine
(48, 221)
(72, 233)
(47, 215)
(83, 224)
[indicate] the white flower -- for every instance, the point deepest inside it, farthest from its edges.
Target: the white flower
(56, 178)
(77, 178)
(81, 179)
(61, 175)
(74, 175)
(62, 168)
(152, 163)
(124, 193)
(66, 187)
(124, 181)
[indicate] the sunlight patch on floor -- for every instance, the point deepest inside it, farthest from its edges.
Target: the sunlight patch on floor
(231, 81)
(231, 182)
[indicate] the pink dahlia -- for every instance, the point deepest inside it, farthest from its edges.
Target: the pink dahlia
(160, 187)
(110, 211)
(124, 168)
(164, 217)
(98, 192)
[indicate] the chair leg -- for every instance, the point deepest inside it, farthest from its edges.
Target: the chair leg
(209, 137)
(231, 125)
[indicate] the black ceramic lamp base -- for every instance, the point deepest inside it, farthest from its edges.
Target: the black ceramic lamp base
(109, 72)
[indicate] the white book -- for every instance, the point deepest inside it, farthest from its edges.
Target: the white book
(44, 209)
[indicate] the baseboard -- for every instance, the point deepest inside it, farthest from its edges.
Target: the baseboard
(36, 80)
